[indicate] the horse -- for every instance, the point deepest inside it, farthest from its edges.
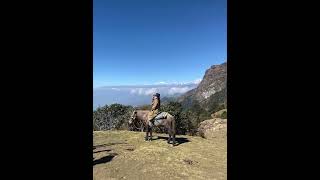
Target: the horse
(168, 122)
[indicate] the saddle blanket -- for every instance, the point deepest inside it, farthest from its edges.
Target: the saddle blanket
(159, 118)
(162, 115)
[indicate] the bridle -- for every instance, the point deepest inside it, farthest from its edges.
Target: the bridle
(134, 121)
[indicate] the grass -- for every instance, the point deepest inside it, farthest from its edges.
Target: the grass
(125, 155)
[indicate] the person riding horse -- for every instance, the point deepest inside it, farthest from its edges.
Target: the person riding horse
(148, 117)
(155, 107)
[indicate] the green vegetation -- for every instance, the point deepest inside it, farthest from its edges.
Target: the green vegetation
(188, 114)
(224, 115)
(110, 117)
(116, 116)
(216, 102)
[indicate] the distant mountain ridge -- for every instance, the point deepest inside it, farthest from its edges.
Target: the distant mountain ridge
(212, 90)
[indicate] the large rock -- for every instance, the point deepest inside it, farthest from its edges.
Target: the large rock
(213, 128)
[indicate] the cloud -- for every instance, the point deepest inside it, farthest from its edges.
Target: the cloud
(136, 91)
(133, 91)
(151, 91)
(136, 94)
(169, 89)
(143, 91)
(140, 91)
(175, 90)
(162, 82)
(117, 89)
(197, 81)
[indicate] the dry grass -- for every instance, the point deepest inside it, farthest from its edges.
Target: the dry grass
(125, 155)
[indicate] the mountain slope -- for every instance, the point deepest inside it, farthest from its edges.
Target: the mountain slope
(211, 91)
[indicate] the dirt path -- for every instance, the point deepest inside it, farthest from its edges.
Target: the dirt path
(125, 155)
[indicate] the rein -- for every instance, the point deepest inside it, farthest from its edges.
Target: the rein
(140, 122)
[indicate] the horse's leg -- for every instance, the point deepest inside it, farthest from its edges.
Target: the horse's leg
(147, 131)
(169, 132)
(173, 132)
(169, 137)
(141, 127)
(150, 133)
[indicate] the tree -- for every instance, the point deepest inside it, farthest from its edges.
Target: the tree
(110, 117)
(182, 121)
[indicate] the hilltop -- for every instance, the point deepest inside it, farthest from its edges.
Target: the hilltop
(125, 155)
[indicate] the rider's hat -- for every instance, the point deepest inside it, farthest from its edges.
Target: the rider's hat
(156, 94)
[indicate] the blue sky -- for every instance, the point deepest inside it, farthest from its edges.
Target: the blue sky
(139, 42)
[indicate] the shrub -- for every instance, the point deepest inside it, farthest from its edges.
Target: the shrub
(110, 117)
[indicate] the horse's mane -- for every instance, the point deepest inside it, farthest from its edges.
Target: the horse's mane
(142, 114)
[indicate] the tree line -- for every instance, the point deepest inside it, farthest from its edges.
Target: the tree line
(116, 116)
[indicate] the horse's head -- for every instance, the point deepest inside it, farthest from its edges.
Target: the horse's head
(133, 117)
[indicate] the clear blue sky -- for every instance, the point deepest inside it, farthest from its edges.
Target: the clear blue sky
(148, 41)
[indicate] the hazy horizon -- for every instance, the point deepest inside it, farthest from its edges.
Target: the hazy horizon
(136, 95)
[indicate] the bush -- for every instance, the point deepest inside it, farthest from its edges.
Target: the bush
(110, 117)
(188, 119)
(175, 109)
(224, 115)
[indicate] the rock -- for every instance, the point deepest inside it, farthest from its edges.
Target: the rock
(213, 84)
(220, 114)
(213, 128)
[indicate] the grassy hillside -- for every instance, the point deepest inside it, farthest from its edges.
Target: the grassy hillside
(125, 155)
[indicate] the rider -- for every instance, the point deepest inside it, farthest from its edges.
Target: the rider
(155, 107)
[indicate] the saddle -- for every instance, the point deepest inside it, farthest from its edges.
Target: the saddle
(162, 115)
(158, 119)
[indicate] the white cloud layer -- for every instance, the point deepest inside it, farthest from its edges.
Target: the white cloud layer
(162, 82)
(175, 90)
(143, 91)
(164, 90)
(197, 81)
(150, 91)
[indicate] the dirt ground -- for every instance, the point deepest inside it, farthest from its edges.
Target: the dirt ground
(125, 155)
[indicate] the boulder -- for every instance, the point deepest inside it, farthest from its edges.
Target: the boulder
(213, 128)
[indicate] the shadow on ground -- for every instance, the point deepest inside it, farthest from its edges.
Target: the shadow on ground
(102, 151)
(105, 159)
(108, 144)
(179, 140)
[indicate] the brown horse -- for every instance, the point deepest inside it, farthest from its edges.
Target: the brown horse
(168, 122)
